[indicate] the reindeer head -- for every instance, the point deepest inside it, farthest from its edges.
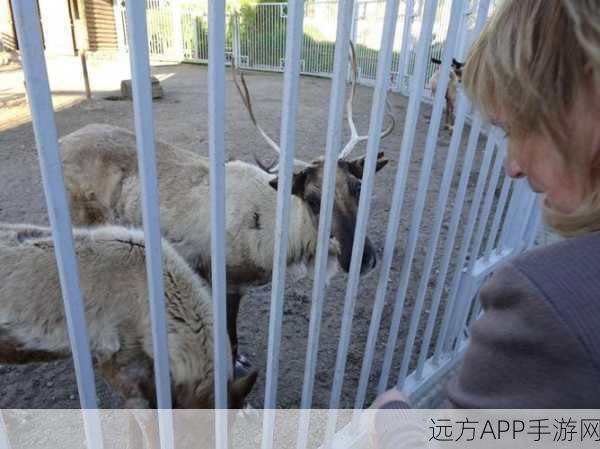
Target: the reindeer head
(457, 68)
(201, 395)
(308, 179)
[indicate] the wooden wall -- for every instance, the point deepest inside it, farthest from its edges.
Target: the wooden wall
(100, 18)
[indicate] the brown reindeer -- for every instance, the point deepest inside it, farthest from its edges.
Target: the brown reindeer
(451, 91)
(101, 174)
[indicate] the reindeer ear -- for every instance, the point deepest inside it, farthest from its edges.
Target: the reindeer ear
(240, 388)
(357, 166)
(381, 161)
(298, 183)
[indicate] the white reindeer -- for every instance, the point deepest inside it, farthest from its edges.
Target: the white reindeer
(101, 174)
(114, 290)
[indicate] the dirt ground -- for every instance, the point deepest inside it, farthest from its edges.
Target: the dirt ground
(181, 119)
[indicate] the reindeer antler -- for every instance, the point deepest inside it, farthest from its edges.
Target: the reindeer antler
(245, 94)
(355, 138)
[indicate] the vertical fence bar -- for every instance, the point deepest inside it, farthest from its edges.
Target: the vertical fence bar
(508, 231)
(332, 148)
(179, 50)
(235, 20)
(353, 36)
(264, 33)
(216, 148)
(295, 19)
(408, 138)
(270, 25)
(404, 51)
(514, 231)
(500, 208)
(27, 24)
(376, 120)
(467, 236)
(336, 113)
(144, 130)
(427, 164)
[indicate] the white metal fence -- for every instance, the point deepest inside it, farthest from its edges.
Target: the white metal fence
(473, 229)
(255, 35)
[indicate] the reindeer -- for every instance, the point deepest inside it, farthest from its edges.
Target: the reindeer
(101, 174)
(114, 289)
(453, 82)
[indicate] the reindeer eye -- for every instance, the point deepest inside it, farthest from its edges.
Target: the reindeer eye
(355, 189)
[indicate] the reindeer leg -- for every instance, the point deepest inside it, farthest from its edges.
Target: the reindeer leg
(447, 115)
(242, 363)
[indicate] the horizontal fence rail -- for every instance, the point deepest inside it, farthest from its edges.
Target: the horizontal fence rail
(481, 217)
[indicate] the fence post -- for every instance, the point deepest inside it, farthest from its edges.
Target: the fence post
(353, 35)
(464, 32)
(402, 81)
(236, 39)
(178, 43)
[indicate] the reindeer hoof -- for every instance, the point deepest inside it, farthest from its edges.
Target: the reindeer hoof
(242, 366)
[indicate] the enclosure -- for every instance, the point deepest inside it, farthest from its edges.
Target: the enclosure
(449, 220)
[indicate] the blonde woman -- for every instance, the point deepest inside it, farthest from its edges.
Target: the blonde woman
(535, 73)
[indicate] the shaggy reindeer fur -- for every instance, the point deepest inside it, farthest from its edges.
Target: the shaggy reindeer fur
(114, 288)
(100, 166)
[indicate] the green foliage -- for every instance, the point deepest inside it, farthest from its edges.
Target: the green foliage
(262, 39)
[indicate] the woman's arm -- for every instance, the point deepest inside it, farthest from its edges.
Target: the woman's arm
(522, 352)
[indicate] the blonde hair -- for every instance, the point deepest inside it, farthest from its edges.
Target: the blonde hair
(530, 64)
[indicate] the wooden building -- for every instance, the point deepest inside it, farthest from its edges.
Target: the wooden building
(69, 25)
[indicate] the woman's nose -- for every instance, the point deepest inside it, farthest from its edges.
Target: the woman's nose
(513, 169)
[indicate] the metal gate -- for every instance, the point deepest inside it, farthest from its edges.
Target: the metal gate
(488, 219)
(255, 35)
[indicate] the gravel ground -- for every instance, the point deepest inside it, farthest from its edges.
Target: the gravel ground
(181, 119)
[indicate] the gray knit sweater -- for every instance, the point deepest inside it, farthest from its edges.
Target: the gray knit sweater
(538, 343)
